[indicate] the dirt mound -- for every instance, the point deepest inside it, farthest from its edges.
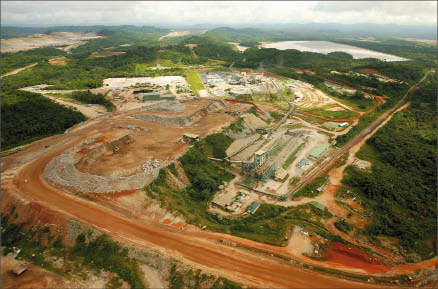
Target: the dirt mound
(194, 113)
(91, 155)
(58, 61)
(254, 122)
(43, 40)
(121, 143)
(166, 106)
(245, 127)
(370, 71)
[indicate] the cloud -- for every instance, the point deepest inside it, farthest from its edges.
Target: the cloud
(217, 12)
(382, 12)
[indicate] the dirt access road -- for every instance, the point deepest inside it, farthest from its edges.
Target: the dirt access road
(15, 71)
(202, 249)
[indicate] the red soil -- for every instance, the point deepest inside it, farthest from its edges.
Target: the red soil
(356, 258)
(101, 138)
(177, 225)
(380, 99)
(370, 71)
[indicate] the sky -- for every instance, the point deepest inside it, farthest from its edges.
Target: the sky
(216, 12)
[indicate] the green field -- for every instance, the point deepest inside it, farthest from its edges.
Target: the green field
(333, 114)
(194, 79)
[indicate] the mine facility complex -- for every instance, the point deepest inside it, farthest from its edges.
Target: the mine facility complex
(233, 84)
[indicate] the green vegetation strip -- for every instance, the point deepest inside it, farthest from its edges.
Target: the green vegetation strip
(292, 157)
(87, 97)
(194, 79)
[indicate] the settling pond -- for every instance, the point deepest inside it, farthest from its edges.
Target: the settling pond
(326, 47)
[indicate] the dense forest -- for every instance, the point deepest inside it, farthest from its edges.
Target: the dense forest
(89, 98)
(204, 175)
(15, 31)
(11, 61)
(31, 116)
(401, 186)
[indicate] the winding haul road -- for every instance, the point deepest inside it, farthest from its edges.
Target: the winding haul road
(201, 248)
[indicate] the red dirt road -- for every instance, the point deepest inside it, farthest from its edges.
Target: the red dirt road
(230, 262)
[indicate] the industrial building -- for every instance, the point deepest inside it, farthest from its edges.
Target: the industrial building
(253, 207)
(318, 205)
(188, 137)
(316, 153)
(155, 96)
(304, 162)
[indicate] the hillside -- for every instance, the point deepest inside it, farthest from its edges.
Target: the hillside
(401, 186)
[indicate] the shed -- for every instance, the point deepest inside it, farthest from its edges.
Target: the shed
(303, 162)
(319, 150)
(150, 96)
(191, 137)
(318, 205)
(344, 124)
(143, 91)
(253, 207)
(19, 269)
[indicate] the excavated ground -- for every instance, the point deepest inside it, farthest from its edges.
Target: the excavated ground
(126, 153)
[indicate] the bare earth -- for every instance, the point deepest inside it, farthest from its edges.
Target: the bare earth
(68, 39)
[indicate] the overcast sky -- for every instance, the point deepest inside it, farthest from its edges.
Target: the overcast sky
(223, 12)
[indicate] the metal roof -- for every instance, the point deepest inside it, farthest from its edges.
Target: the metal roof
(190, 135)
(318, 205)
(319, 150)
(253, 207)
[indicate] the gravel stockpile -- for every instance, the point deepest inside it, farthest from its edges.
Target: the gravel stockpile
(165, 106)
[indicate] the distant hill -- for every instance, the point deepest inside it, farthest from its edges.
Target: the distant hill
(16, 31)
(329, 30)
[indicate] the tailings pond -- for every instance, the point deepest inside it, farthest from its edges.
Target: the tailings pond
(326, 47)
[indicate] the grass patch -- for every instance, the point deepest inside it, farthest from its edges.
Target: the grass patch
(359, 104)
(293, 156)
(311, 119)
(294, 126)
(311, 190)
(333, 114)
(216, 145)
(194, 80)
(173, 169)
(343, 226)
(236, 126)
